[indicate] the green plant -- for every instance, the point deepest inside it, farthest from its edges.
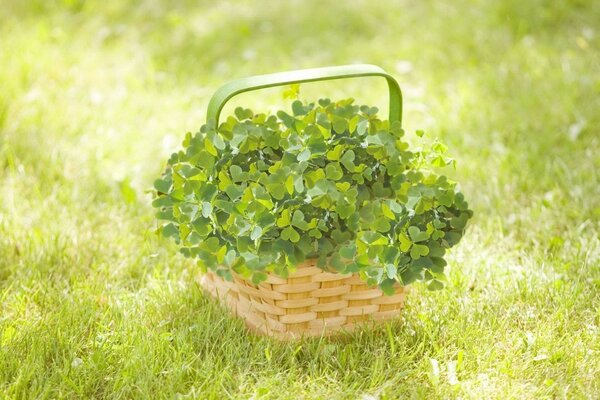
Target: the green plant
(262, 192)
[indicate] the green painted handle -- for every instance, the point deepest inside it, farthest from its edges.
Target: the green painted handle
(227, 91)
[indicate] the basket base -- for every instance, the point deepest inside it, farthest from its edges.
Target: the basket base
(310, 302)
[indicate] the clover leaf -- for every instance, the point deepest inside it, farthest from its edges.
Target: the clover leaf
(162, 185)
(348, 160)
(418, 250)
(326, 180)
(290, 233)
(334, 171)
(416, 235)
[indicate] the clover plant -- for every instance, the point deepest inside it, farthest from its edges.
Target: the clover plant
(262, 193)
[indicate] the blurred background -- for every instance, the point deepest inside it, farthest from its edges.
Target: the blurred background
(95, 95)
(105, 90)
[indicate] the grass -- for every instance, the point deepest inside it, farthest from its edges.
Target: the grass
(95, 95)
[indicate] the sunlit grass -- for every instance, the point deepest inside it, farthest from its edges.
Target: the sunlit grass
(94, 96)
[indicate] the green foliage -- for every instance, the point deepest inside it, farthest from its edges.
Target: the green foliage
(262, 193)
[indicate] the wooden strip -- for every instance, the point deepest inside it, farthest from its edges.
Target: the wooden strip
(273, 324)
(272, 278)
(306, 271)
(331, 291)
(333, 306)
(297, 303)
(262, 293)
(299, 328)
(350, 327)
(297, 318)
(209, 285)
(237, 279)
(268, 301)
(327, 277)
(360, 310)
(297, 280)
(254, 320)
(268, 308)
(243, 306)
(355, 280)
(263, 286)
(385, 299)
(331, 322)
(254, 328)
(363, 294)
(296, 287)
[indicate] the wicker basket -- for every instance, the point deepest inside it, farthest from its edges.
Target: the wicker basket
(310, 302)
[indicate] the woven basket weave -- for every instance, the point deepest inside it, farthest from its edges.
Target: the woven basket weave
(310, 302)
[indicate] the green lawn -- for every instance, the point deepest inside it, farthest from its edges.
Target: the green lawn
(94, 96)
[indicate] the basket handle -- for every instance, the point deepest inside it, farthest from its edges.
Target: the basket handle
(233, 88)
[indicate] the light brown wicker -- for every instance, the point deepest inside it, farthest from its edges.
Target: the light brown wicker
(310, 302)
